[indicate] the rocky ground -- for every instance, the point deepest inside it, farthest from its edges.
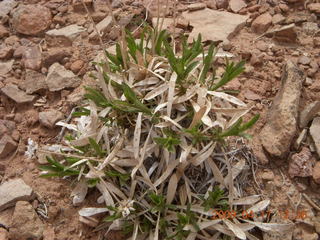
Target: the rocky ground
(46, 49)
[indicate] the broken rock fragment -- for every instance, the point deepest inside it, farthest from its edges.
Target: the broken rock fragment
(7, 145)
(59, 78)
(316, 172)
(50, 118)
(12, 191)
(237, 5)
(261, 23)
(25, 223)
(34, 82)
(277, 134)
(17, 95)
(64, 36)
(300, 164)
(31, 58)
(5, 67)
(315, 133)
(214, 25)
(308, 113)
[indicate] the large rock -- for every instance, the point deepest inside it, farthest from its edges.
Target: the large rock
(280, 129)
(261, 23)
(31, 58)
(31, 19)
(12, 191)
(17, 95)
(308, 113)
(315, 133)
(5, 67)
(7, 145)
(214, 25)
(59, 78)
(34, 82)
(64, 36)
(6, 6)
(49, 118)
(25, 223)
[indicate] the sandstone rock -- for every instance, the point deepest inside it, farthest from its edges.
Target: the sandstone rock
(196, 6)
(34, 82)
(214, 25)
(279, 131)
(55, 55)
(6, 52)
(7, 145)
(314, 132)
(308, 113)
(314, 7)
(6, 6)
(50, 118)
(278, 19)
(77, 65)
(285, 34)
(103, 27)
(316, 173)
(3, 32)
(5, 67)
(31, 58)
(300, 164)
(59, 78)
(31, 19)
(222, 4)
(261, 23)
(64, 36)
(25, 223)
(237, 5)
(12, 191)
(17, 95)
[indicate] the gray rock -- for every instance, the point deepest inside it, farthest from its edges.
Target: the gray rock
(50, 118)
(314, 132)
(17, 95)
(12, 191)
(25, 223)
(6, 6)
(5, 67)
(277, 134)
(308, 113)
(214, 25)
(64, 36)
(34, 82)
(59, 78)
(7, 145)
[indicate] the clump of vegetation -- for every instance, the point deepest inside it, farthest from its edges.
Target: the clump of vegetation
(153, 140)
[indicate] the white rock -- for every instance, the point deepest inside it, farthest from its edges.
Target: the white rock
(12, 191)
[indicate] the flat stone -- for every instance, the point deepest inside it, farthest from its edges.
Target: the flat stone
(103, 27)
(314, 132)
(59, 78)
(237, 5)
(31, 58)
(214, 25)
(12, 191)
(300, 164)
(34, 82)
(261, 23)
(285, 34)
(17, 95)
(308, 113)
(316, 173)
(64, 36)
(50, 118)
(25, 223)
(314, 7)
(5, 67)
(280, 129)
(6, 6)
(278, 19)
(7, 145)
(196, 6)
(31, 19)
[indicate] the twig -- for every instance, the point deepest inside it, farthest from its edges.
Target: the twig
(308, 199)
(60, 135)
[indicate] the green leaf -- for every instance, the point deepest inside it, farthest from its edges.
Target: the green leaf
(97, 148)
(207, 63)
